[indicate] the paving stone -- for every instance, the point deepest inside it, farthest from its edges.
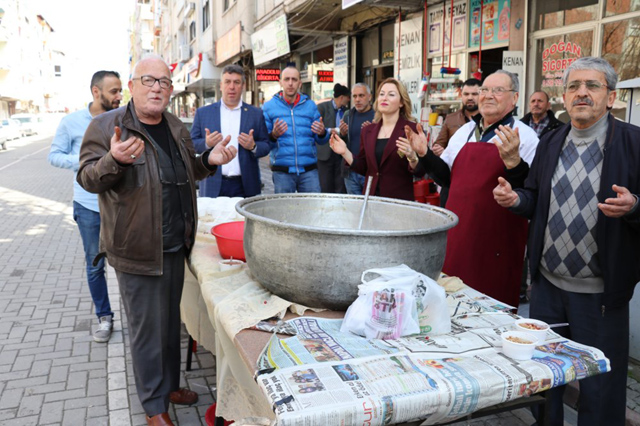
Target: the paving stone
(11, 399)
(28, 382)
(30, 405)
(117, 380)
(60, 396)
(85, 402)
(119, 417)
(74, 417)
(118, 399)
(58, 373)
(77, 380)
(22, 421)
(97, 387)
(51, 412)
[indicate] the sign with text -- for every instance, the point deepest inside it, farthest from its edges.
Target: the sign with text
(408, 48)
(325, 76)
(270, 42)
(439, 28)
(341, 60)
(267, 74)
(494, 16)
(229, 44)
(513, 61)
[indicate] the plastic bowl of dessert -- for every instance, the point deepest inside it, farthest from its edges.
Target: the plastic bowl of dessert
(518, 344)
(536, 327)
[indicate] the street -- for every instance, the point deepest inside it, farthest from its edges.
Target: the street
(51, 370)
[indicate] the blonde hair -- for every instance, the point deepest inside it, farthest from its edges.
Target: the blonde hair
(405, 105)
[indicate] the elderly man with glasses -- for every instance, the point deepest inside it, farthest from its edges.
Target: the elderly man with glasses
(584, 244)
(140, 161)
(486, 248)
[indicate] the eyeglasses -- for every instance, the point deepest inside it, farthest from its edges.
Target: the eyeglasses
(591, 85)
(498, 91)
(149, 81)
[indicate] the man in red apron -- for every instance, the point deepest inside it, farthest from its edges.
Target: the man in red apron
(486, 248)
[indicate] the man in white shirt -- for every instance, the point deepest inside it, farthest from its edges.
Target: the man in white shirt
(244, 127)
(486, 248)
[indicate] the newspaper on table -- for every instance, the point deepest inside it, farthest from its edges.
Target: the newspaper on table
(325, 377)
(389, 389)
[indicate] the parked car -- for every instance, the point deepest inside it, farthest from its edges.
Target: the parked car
(10, 128)
(3, 140)
(28, 123)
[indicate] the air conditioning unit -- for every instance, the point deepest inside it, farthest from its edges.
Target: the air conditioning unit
(183, 53)
(189, 9)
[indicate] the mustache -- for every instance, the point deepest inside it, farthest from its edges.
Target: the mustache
(582, 101)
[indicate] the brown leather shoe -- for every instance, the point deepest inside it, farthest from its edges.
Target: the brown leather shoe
(160, 420)
(183, 396)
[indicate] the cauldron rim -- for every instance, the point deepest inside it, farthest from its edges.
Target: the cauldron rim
(446, 214)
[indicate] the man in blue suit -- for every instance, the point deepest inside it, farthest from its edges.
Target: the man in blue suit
(244, 126)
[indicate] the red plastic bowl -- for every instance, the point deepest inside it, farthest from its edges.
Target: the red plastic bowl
(229, 237)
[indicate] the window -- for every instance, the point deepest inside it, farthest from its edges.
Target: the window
(559, 13)
(621, 47)
(192, 31)
(206, 17)
(225, 5)
(57, 70)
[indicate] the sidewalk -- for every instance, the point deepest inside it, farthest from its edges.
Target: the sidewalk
(51, 370)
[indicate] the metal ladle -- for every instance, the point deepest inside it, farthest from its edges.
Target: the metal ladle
(366, 200)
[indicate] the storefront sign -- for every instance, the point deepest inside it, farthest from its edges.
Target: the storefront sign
(408, 48)
(513, 61)
(341, 60)
(325, 76)
(439, 30)
(496, 16)
(229, 44)
(267, 74)
(557, 58)
(271, 42)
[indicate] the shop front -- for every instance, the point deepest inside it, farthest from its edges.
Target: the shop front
(561, 32)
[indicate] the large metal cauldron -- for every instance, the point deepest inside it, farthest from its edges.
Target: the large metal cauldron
(306, 248)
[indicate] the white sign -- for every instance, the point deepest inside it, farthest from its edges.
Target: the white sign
(270, 42)
(408, 47)
(349, 3)
(341, 61)
(513, 61)
(439, 30)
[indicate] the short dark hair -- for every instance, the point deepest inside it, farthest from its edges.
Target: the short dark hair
(472, 82)
(97, 78)
(234, 69)
(293, 67)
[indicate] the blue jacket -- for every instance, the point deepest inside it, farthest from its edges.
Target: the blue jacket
(250, 118)
(296, 148)
(618, 239)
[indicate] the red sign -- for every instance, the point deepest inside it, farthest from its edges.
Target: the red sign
(325, 76)
(267, 74)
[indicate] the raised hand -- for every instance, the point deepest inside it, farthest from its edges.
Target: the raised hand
(125, 152)
(247, 141)
(365, 124)
(619, 206)
(504, 195)
(405, 150)
(344, 128)
(212, 139)
(279, 127)
(437, 149)
(317, 127)
(418, 140)
(221, 154)
(337, 144)
(508, 143)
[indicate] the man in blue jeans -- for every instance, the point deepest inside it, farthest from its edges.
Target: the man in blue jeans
(295, 126)
(106, 89)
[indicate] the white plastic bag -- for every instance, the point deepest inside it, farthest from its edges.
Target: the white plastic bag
(398, 302)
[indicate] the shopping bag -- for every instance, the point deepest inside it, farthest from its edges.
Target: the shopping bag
(397, 301)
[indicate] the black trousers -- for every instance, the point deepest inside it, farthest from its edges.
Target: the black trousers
(602, 397)
(330, 174)
(152, 305)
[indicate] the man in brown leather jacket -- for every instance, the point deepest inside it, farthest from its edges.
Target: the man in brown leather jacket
(141, 161)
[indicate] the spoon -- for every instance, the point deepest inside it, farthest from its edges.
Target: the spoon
(366, 200)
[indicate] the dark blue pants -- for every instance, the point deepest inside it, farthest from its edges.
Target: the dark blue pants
(603, 397)
(89, 225)
(231, 187)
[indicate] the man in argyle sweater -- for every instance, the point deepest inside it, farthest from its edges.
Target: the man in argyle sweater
(584, 240)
